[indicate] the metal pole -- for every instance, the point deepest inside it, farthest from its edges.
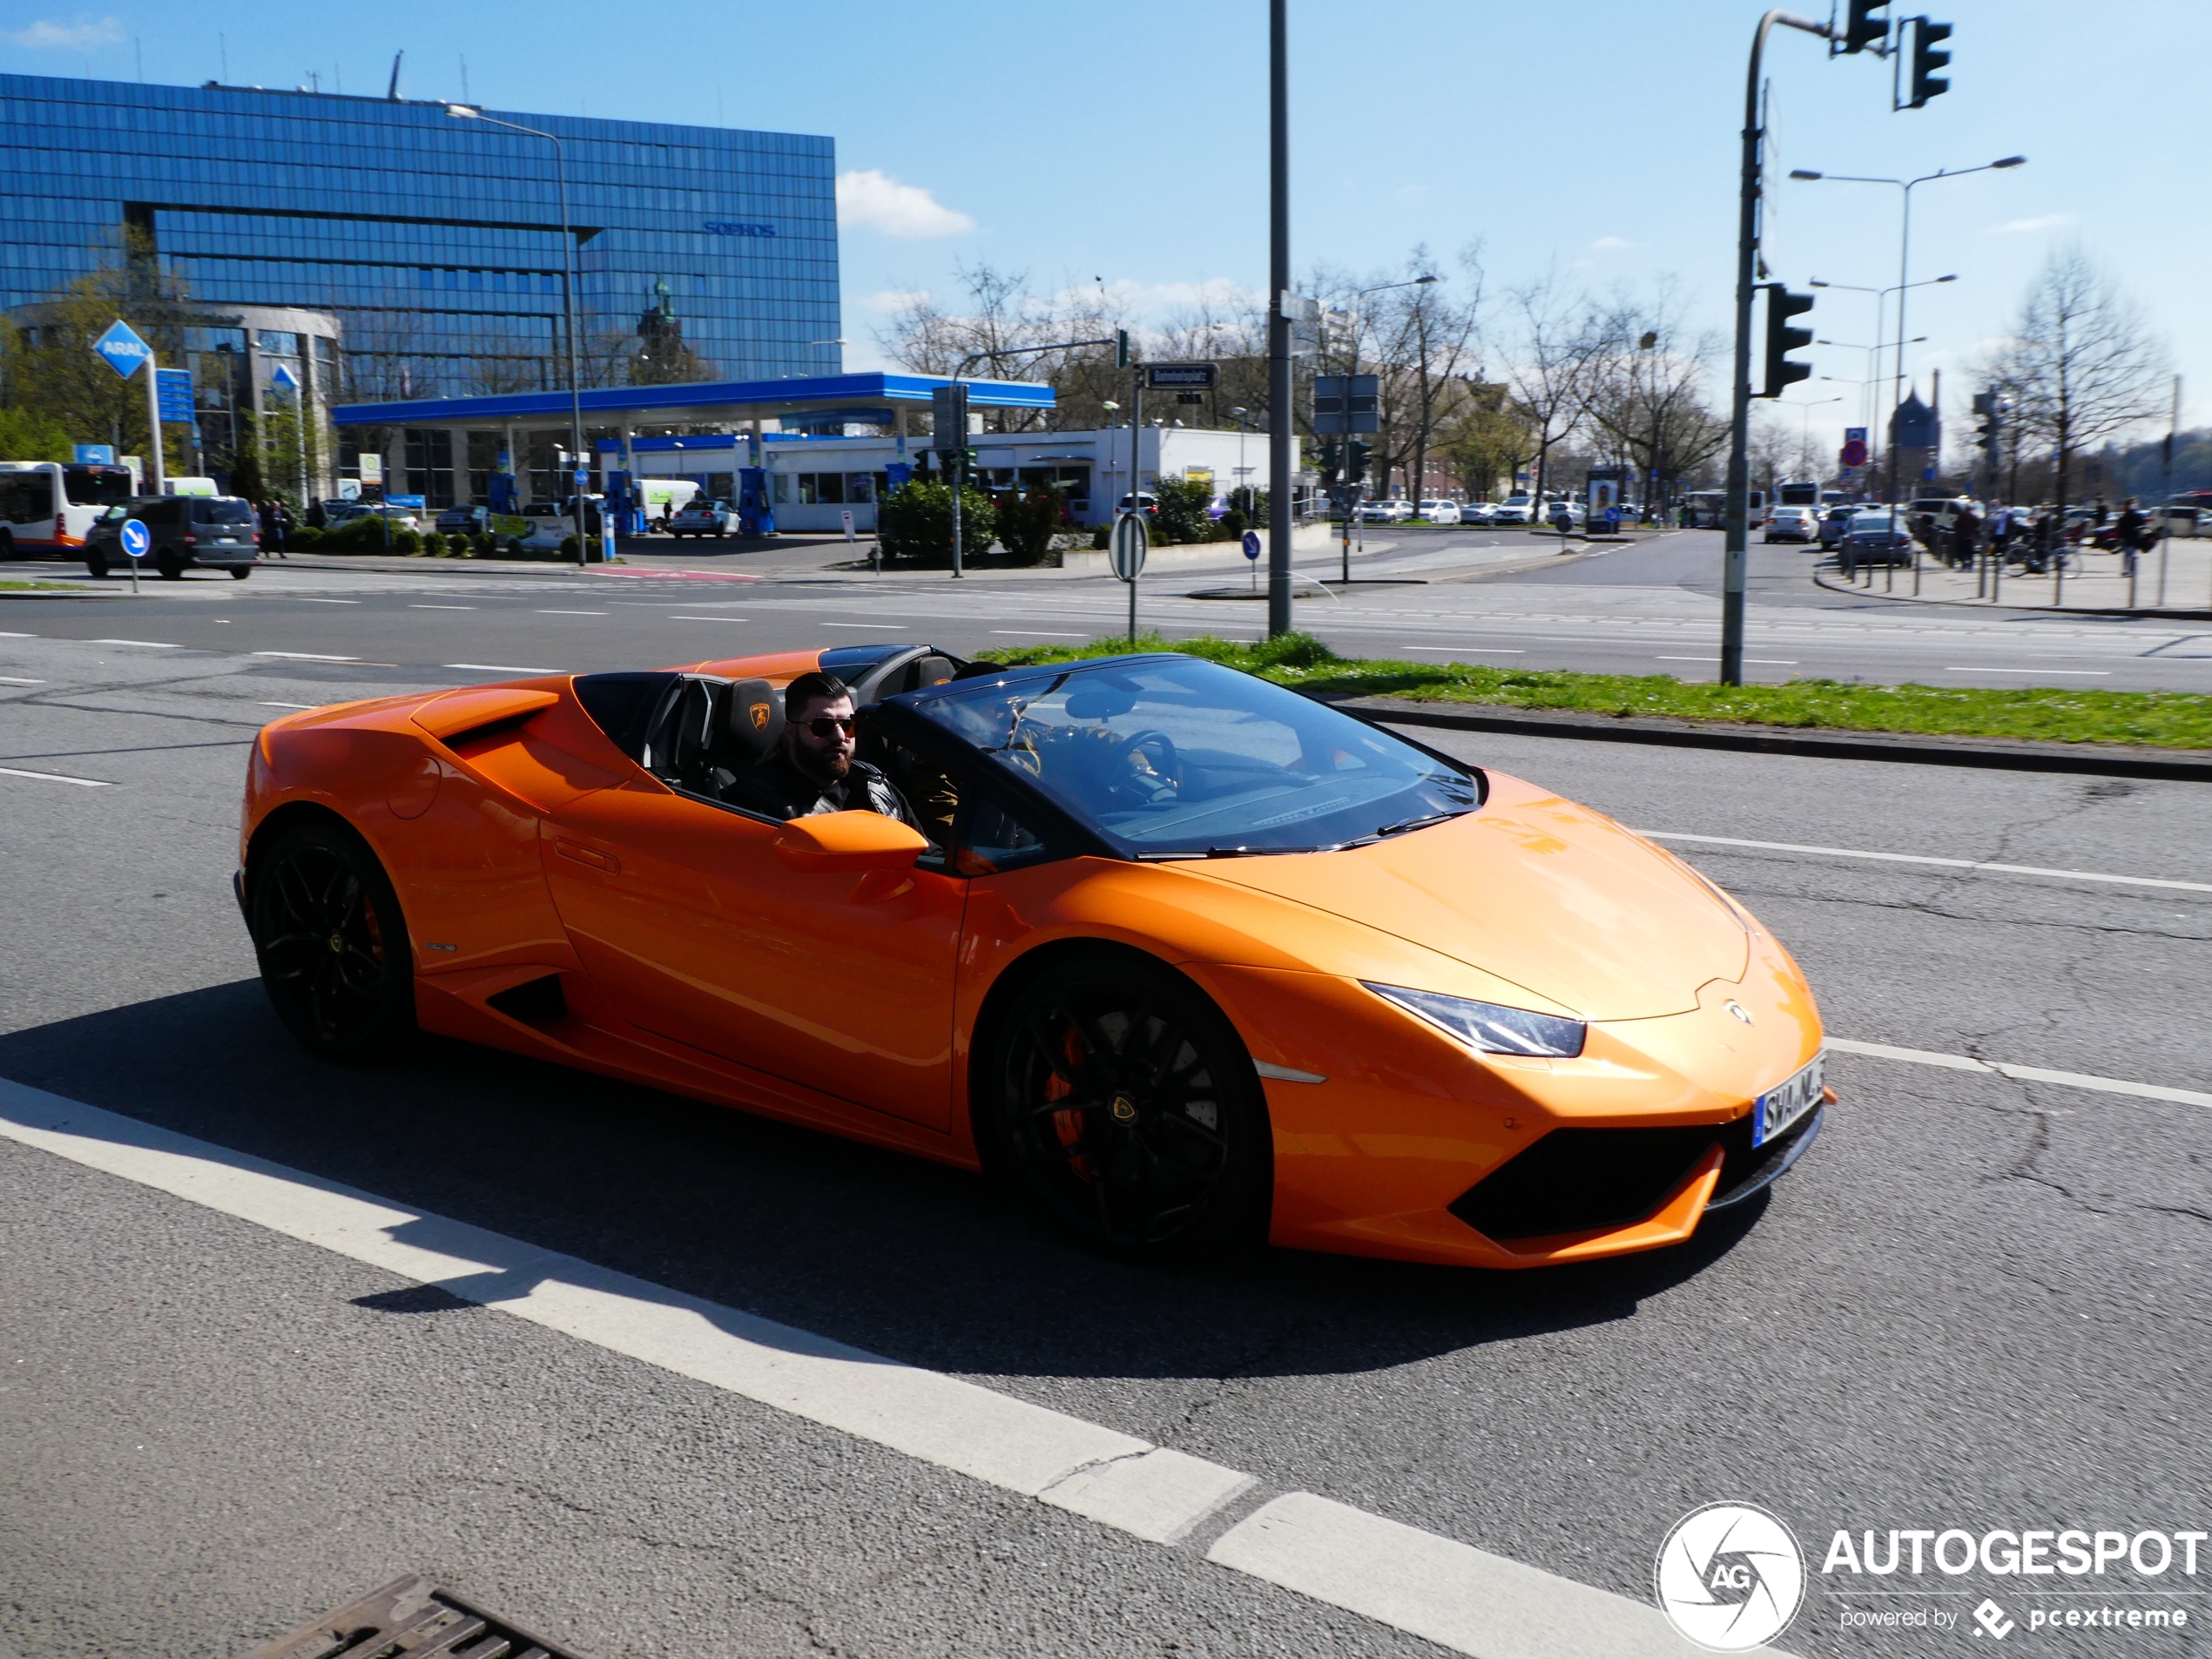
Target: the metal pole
(2166, 491)
(1136, 443)
(568, 320)
(153, 423)
(1282, 429)
(1737, 546)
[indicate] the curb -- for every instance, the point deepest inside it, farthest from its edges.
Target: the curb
(2116, 612)
(2187, 766)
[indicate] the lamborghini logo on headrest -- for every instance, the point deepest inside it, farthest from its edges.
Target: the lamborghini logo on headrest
(759, 713)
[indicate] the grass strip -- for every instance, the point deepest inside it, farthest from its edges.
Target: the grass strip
(2048, 713)
(13, 586)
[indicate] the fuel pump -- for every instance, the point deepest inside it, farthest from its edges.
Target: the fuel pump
(755, 514)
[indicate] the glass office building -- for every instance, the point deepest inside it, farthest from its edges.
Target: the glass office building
(434, 240)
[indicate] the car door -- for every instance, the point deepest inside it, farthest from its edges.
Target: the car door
(685, 914)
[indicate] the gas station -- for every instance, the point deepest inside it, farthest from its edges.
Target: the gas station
(730, 437)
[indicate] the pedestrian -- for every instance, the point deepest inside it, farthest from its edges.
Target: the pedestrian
(265, 515)
(317, 518)
(283, 527)
(2129, 534)
(1965, 538)
(2001, 530)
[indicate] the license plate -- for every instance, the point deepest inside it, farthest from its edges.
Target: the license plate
(1776, 1110)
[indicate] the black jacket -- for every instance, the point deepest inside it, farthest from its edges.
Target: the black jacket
(776, 788)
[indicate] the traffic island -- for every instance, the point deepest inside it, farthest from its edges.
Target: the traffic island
(2173, 580)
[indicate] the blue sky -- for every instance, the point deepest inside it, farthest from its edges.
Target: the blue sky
(1129, 142)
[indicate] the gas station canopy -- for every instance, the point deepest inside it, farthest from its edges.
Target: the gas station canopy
(876, 399)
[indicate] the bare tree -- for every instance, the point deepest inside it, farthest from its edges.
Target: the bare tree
(1555, 353)
(2082, 366)
(1646, 385)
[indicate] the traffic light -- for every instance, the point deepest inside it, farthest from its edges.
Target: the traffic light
(1355, 460)
(1332, 457)
(1121, 348)
(1990, 426)
(1782, 340)
(1865, 27)
(1927, 83)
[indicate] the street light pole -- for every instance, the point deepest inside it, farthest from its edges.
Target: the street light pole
(469, 113)
(1736, 555)
(1282, 429)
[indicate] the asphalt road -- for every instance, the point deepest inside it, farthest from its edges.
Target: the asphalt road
(1979, 1303)
(1478, 597)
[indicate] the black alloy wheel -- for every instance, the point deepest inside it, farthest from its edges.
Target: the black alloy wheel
(1124, 1105)
(332, 943)
(239, 572)
(96, 564)
(170, 567)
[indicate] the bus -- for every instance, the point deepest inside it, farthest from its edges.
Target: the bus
(1797, 495)
(1708, 508)
(46, 506)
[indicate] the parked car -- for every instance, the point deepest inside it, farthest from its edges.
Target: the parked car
(1877, 535)
(1834, 523)
(1142, 501)
(703, 516)
(345, 512)
(210, 532)
(1514, 509)
(1792, 524)
(1476, 512)
(463, 521)
(1566, 515)
(1375, 512)
(2186, 518)
(1441, 512)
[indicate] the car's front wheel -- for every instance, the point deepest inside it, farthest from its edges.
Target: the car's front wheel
(332, 944)
(1122, 1103)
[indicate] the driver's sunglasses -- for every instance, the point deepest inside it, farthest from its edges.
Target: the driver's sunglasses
(823, 725)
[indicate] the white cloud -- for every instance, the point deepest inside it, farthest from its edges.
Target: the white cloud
(80, 37)
(1157, 299)
(887, 300)
(872, 198)
(1611, 245)
(2030, 226)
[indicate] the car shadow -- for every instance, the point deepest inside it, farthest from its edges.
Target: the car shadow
(904, 1259)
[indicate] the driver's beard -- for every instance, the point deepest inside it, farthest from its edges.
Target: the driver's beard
(832, 766)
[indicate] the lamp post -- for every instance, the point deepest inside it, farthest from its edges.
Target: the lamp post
(1243, 471)
(1904, 253)
(469, 113)
(1351, 373)
(1873, 373)
(1804, 431)
(1881, 304)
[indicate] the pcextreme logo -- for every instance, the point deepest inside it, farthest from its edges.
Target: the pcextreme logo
(1729, 1576)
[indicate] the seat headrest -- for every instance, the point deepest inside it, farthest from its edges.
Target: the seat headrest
(752, 724)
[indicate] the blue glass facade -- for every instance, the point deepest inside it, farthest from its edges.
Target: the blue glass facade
(435, 239)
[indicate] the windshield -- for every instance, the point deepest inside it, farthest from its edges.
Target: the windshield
(96, 486)
(1169, 757)
(222, 509)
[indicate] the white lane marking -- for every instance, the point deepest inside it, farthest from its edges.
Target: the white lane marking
(12, 680)
(498, 668)
(1474, 651)
(2024, 1074)
(1923, 858)
(870, 626)
(18, 635)
(710, 619)
(1459, 1595)
(305, 656)
(2075, 673)
(151, 645)
(289, 705)
(1773, 662)
(305, 600)
(441, 607)
(571, 613)
(56, 777)
(1042, 633)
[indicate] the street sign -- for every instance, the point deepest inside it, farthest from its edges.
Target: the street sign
(137, 539)
(372, 469)
(122, 348)
(948, 417)
(1854, 452)
(1178, 376)
(1251, 544)
(1191, 397)
(1346, 403)
(173, 386)
(1128, 544)
(96, 455)
(284, 380)
(846, 519)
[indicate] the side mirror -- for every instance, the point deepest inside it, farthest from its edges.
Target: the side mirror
(856, 842)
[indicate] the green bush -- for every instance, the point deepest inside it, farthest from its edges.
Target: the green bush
(303, 538)
(568, 547)
(1102, 539)
(406, 542)
(434, 545)
(1182, 516)
(480, 544)
(915, 522)
(1027, 522)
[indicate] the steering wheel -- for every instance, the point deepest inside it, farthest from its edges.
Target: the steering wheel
(1145, 766)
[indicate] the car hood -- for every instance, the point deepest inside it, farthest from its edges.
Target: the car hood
(1533, 889)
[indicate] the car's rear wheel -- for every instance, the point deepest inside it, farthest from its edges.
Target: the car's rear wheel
(96, 565)
(239, 572)
(170, 567)
(332, 943)
(1122, 1103)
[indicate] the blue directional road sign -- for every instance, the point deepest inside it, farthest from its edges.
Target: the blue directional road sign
(135, 537)
(122, 348)
(176, 393)
(96, 455)
(1251, 544)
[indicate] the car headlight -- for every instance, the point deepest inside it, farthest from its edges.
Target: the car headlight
(1487, 1028)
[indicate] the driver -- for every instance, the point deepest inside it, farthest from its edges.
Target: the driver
(812, 768)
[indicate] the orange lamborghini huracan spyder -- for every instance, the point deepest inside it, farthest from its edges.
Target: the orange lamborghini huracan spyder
(1189, 959)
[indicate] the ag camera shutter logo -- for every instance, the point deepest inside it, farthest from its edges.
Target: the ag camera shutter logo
(1730, 1577)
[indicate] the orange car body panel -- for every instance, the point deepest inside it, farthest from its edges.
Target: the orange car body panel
(789, 972)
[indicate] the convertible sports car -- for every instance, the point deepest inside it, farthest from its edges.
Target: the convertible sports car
(1188, 958)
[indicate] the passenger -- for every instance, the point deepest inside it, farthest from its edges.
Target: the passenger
(812, 768)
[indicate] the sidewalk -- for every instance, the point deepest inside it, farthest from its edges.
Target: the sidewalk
(2093, 583)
